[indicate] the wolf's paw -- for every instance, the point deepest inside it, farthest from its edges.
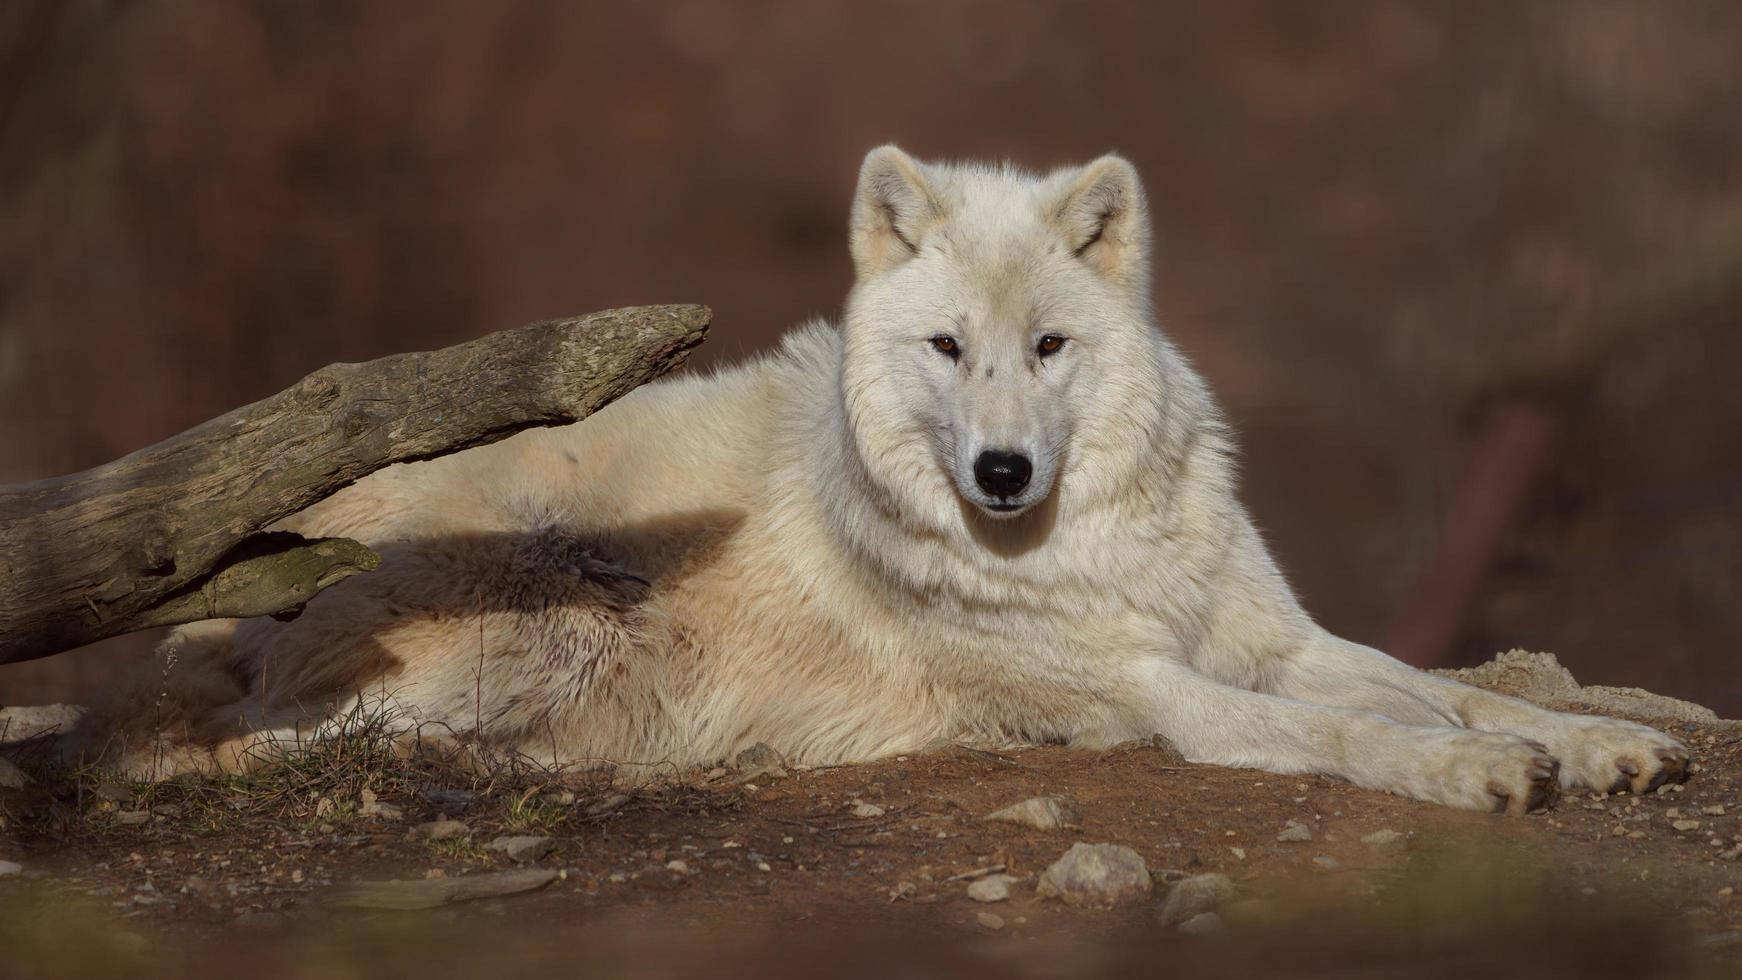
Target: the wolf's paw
(1495, 772)
(1609, 755)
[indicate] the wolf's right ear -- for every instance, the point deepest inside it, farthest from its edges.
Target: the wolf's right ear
(893, 210)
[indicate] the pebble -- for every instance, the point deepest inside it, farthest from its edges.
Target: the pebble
(1039, 812)
(1324, 862)
(430, 893)
(992, 888)
(680, 867)
(442, 829)
(523, 849)
(1686, 825)
(450, 800)
(1713, 809)
(373, 807)
(10, 868)
(1201, 925)
(759, 760)
(1096, 874)
(132, 818)
(1295, 831)
(1192, 897)
(1382, 838)
(1239, 853)
(990, 920)
(608, 804)
(867, 810)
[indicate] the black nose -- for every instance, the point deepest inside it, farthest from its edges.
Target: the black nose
(1001, 473)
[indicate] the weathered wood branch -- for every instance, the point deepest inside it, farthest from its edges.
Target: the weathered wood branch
(170, 534)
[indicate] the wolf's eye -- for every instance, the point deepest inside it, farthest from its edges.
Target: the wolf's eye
(1049, 344)
(947, 345)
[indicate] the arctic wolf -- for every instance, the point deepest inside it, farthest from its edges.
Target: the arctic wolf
(992, 504)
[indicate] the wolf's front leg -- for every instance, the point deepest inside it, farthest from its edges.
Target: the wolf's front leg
(1229, 726)
(1596, 753)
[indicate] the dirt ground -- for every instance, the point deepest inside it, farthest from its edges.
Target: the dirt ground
(865, 869)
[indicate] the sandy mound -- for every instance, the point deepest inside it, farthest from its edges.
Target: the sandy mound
(1540, 678)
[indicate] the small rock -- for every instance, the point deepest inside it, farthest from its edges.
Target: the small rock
(1239, 853)
(1713, 809)
(450, 801)
(132, 818)
(1295, 831)
(561, 797)
(758, 756)
(524, 849)
(1193, 897)
(1324, 862)
(863, 809)
(10, 868)
(607, 805)
(1096, 874)
(990, 920)
(992, 888)
(759, 760)
(1040, 812)
(11, 777)
(1382, 838)
(429, 893)
(1202, 924)
(678, 866)
(1686, 825)
(372, 807)
(442, 829)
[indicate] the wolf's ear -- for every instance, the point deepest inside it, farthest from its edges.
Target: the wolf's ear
(1103, 219)
(892, 211)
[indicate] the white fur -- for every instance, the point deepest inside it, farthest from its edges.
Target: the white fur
(795, 550)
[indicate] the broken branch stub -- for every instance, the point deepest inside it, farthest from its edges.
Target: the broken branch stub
(170, 534)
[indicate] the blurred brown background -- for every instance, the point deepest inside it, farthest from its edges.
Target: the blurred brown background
(1472, 259)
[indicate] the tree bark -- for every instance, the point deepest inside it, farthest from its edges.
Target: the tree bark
(171, 533)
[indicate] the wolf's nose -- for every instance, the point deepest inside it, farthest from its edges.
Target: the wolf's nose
(1001, 473)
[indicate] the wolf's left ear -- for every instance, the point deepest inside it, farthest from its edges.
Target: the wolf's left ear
(1103, 219)
(892, 210)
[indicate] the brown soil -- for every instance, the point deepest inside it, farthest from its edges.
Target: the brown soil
(780, 872)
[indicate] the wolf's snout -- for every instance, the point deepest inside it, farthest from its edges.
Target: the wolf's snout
(1002, 473)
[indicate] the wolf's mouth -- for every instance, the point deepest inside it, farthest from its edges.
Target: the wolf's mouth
(1004, 508)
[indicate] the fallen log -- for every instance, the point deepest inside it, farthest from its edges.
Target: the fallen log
(173, 533)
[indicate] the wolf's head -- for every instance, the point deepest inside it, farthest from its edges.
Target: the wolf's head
(998, 325)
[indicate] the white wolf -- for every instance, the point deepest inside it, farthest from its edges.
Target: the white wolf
(993, 504)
